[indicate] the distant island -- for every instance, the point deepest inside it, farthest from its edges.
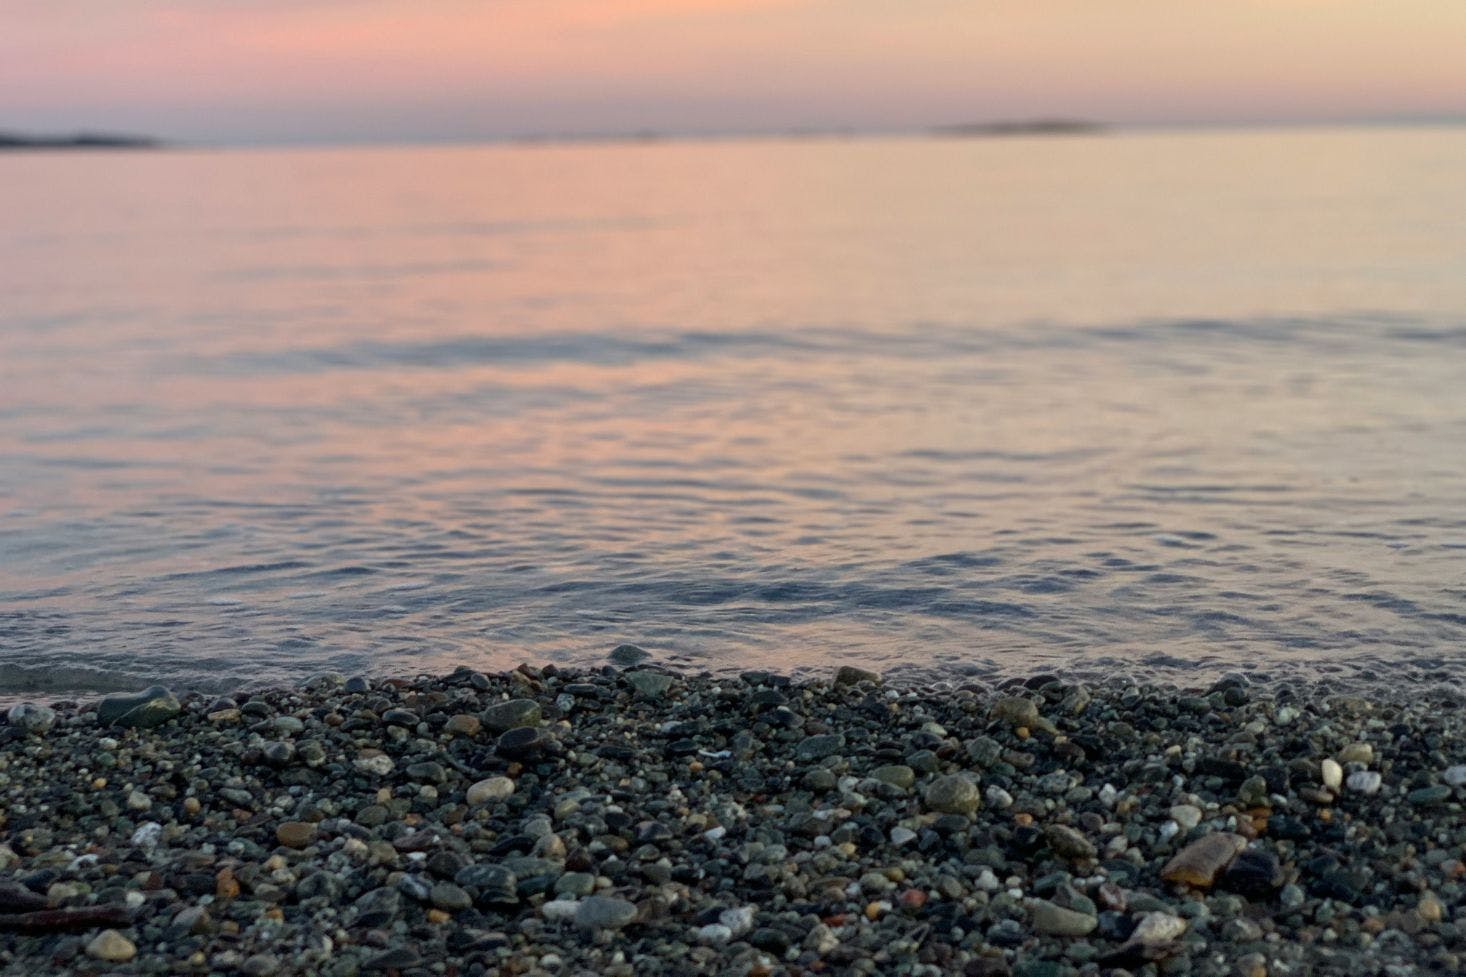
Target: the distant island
(80, 140)
(1022, 127)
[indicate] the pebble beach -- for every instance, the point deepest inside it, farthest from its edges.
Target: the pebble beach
(632, 820)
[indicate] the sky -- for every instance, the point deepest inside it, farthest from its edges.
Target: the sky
(334, 70)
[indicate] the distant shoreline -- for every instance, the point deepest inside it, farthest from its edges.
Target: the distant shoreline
(81, 140)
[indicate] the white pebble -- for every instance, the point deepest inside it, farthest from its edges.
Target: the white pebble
(739, 920)
(998, 798)
(1364, 782)
(560, 910)
(1455, 776)
(1157, 928)
(715, 834)
(1187, 816)
(715, 933)
(147, 835)
(1332, 774)
(1169, 830)
(901, 836)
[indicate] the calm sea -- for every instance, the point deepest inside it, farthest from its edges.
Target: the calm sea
(1171, 404)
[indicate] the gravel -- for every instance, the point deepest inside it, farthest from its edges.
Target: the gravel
(643, 822)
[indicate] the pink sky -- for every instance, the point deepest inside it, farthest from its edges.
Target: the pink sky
(242, 70)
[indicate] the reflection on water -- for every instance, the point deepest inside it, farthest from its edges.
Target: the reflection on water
(1181, 401)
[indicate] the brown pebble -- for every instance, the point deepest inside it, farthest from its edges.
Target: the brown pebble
(225, 885)
(295, 834)
(1199, 863)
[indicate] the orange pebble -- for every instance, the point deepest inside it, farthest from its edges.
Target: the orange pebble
(913, 899)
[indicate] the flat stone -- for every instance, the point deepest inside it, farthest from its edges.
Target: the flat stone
(139, 710)
(625, 656)
(1429, 795)
(1155, 929)
(819, 746)
(1199, 863)
(503, 716)
(111, 946)
(649, 684)
(295, 834)
(896, 774)
(1069, 843)
(488, 791)
(604, 913)
(953, 794)
(850, 675)
(449, 897)
(1057, 921)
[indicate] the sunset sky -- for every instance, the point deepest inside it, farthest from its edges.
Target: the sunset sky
(288, 70)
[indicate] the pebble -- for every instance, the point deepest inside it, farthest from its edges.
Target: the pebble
(1199, 863)
(488, 791)
(504, 716)
(1332, 775)
(462, 724)
(649, 684)
(604, 913)
(850, 675)
(1186, 816)
(33, 719)
(1364, 782)
(112, 947)
(139, 710)
(1455, 776)
(953, 794)
(1058, 921)
(295, 834)
(625, 656)
(1156, 928)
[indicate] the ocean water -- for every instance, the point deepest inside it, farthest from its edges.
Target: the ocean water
(1165, 404)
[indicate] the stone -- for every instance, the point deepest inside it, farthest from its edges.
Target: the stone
(1187, 816)
(462, 724)
(1057, 921)
(625, 656)
(953, 794)
(150, 708)
(379, 764)
(897, 775)
(1357, 753)
(112, 947)
(850, 675)
(259, 965)
(1156, 928)
(604, 913)
(1199, 863)
(525, 743)
(489, 791)
(819, 746)
(1455, 776)
(295, 834)
(31, 718)
(1426, 796)
(504, 716)
(1331, 775)
(449, 897)
(1068, 843)
(649, 684)
(1017, 712)
(1254, 873)
(1364, 782)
